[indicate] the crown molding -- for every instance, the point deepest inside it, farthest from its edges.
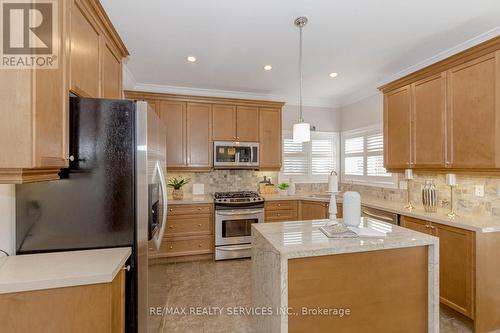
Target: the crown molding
(178, 90)
(443, 55)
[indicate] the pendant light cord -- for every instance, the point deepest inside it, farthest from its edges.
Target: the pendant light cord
(301, 119)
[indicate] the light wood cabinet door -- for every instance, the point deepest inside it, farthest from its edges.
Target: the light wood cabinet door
(415, 224)
(429, 113)
(84, 52)
(313, 210)
(199, 135)
(111, 81)
(224, 122)
(247, 123)
(397, 124)
(173, 115)
(270, 138)
(456, 268)
(473, 113)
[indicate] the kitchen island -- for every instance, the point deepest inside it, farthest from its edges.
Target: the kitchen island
(310, 283)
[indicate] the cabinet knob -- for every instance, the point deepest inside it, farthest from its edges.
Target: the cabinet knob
(171, 227)
(279, 205)
(199, 225)
(279, 214)
(170, 210)
(199, 245)
(71, 158)
(126, 268)
(199, 208)
(171, 247)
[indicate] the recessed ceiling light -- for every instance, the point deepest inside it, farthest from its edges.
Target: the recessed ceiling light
(268, 67)
(191, 59)
(333, 74)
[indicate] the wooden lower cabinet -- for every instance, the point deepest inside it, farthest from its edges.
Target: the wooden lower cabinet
(313, 210)
(456, 266)
(281, 211)
(189, 232)
(97, 308)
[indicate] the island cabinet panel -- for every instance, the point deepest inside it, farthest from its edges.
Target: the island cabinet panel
(473, 113)
(456, 263)
(199, 135)
(173, 115)
(189, 233)
(98, 308)
(313, 210)
(397, 124)
(247, 123)
(270, 138)
(429, 112)
(399, 286)
(84, 51)
(224, 122)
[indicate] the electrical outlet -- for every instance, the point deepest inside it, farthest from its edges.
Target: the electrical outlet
(403, 185)
(479, 191)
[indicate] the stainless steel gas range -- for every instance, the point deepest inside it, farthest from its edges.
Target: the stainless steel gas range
(234, 214)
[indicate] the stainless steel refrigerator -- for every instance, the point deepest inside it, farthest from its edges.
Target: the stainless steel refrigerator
(112, 195)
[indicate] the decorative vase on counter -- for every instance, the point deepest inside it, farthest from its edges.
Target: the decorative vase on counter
(178, 194)
(429, 196)
(352, 209)
(291, 187)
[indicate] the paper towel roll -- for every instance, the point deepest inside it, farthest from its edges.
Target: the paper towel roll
(333, 183)
(352, 208)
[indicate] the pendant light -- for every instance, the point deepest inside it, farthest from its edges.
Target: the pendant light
(301, 130)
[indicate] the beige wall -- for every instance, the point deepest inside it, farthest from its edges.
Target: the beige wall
(364, 113)
(325, 119)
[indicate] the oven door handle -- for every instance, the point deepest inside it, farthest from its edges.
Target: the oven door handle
(232, 213)
(234, 248)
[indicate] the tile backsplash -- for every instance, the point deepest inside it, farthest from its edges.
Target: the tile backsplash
(237, 180)
(466, 202)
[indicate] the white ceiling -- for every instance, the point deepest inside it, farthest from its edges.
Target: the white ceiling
(365, 41)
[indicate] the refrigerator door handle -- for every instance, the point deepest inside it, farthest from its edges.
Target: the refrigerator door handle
(163, 186)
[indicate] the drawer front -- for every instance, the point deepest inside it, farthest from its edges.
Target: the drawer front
(186, 225)
(281, 205)
(281, 215)
(188, 209)
(184, 246)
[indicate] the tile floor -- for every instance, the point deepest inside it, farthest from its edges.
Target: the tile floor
(220, 284)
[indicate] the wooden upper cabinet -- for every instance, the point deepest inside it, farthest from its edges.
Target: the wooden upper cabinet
(224, 122)
(173, 115)
(474, 113)
(397, 124)
(84, 52)
(199, 135)
(429, 133)
(456, 268)
(247, 123)
(270, 138)
(111, 73)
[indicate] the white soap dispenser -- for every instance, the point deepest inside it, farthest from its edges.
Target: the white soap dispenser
(291, 187)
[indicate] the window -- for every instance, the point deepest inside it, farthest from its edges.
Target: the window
(310, 162)
(363, 158)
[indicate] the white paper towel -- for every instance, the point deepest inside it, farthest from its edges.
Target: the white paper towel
(333, 183)
(352, 208)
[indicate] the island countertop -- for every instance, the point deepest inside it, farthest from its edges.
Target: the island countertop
(304, 239)
(60, 269)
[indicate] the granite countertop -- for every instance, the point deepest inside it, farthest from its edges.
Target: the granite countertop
(190, 199)
(60, 269)
(477, 223)
(304, 239)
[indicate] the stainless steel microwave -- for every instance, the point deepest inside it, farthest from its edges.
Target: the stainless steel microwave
(236, 155)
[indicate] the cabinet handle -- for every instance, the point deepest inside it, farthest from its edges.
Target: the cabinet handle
(199, 208)
(433, 227)
(427, 226)
(126, 268)
(171, 227)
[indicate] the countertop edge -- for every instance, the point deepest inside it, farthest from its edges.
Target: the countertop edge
(65, 282)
